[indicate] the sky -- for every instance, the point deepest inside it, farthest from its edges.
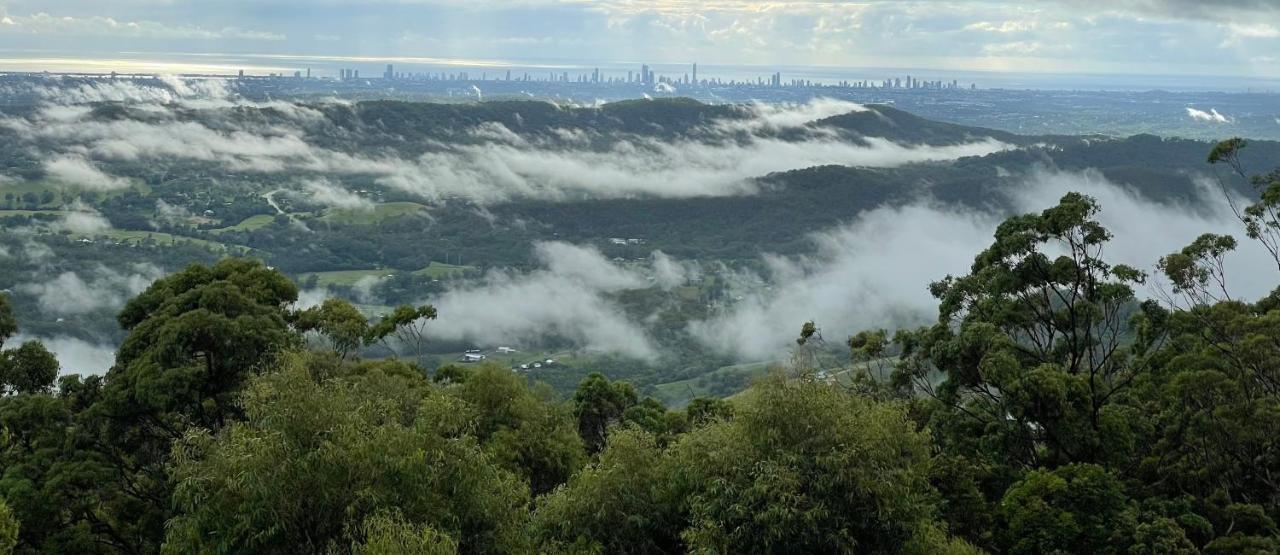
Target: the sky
(1156, 37)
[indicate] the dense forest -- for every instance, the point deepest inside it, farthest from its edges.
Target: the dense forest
(1050, 409)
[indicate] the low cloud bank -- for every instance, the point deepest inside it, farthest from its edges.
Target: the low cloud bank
(565, 299)
(81, 173)
(875, 271)
(75, 356)
(74, 293)
(495, 166)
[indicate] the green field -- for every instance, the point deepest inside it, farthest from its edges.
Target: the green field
(380, 212)
(137, 237)
(678, 394)
(345, 278)
(20, 188)
(437, 270)
(18, 213)
(249, 224)
(348, 278)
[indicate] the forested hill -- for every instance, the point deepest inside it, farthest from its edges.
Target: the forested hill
(1047, 409)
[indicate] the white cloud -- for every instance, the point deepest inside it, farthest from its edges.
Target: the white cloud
(78, 172)
(103, 289)
(84, 222)
(1211, 116)
(502, 165)
(875, 271)
(327, 193)
(567, 299)
(47, 24)
(171, 214)
(75, 356)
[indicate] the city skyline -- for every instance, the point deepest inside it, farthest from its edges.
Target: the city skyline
(1119, 37)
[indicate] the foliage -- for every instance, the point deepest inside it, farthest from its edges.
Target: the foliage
(8, 529)
(1048, 410)
(314, 460)
(804, 467)
(337, 320)
(407, 324)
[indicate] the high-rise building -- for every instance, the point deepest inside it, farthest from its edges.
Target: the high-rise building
(644, 74)
(355, 74)
(390, 73)
(695, 73)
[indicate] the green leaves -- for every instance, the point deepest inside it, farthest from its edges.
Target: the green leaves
(1074, 509)
(1227, 150)
(8, 323)
(319, 465)
(30, 368)
(338, 321)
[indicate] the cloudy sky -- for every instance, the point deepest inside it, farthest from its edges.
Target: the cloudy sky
(1165, 37)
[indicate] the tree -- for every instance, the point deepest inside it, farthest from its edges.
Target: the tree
(522, 428)
(1073, 509)
(1033, 348)
(8, 323)
(194, 337)
(8, 529)
(805, 467)
(30, 368)
(392, 535)
(407, 324)
(313, 461)
(598, 404)
(338, 321)
(1262, 218)
(623, 503)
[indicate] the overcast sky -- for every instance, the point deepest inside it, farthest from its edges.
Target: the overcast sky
(1173, 37)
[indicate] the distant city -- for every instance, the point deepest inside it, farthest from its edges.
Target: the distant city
(1003, 102)
(643, 76)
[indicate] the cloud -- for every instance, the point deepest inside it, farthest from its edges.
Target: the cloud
(566, 299)
(75, 356)
(1211, 116)
(80, 173)
(670, 273)
(499, 165)
(326, 193)
(103, 289)
(787, 115)
(46, 24)
(363, 289)
(84, 220)
(874, 272)
(684, 168)
(171, 214)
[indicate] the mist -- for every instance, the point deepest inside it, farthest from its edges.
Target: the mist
(875, 271)
(498, 165)
(73, 293)
(75, 356)
(565, 299)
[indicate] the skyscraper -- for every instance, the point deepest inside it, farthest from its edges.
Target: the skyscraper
(644, 74)
(695, 73)
(390, 73)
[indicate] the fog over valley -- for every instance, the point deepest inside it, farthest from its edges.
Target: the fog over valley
(640, 277)
(150, 163)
